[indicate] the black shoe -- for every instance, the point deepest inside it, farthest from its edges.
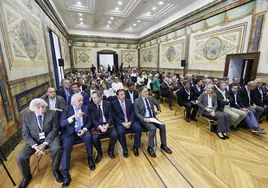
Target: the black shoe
(194, 119)
(234, 128)
(125, 154)
(221, 137)
(136, 151)
(58, 175)
(166, 149)
(188, 120)
(98, 157)
(25, 182)
(111, 154)
(91, 164)
(260, 121)
(66, 180)
(151, 152)
(225, 136)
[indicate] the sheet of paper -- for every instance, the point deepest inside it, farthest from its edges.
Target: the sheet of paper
(153, 120)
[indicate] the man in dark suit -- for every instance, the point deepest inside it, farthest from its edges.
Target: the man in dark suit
(125, 122)
(165, 91)
(247, 99)
(40, 129)
(188, 99)
(198, 88)
(131, 93)
(226, 80)
(235, 81)
(54, 101)
(75, 127)
(102, 123)
(144, 111)
(65, 91)
(265, 93)
(76, 89)
(258, 97)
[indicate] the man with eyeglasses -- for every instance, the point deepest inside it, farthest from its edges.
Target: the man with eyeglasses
(54, 101)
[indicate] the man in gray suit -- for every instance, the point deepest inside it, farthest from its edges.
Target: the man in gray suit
(53, 100)
(40, 129)
(144, 110)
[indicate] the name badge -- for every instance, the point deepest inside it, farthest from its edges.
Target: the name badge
(42, 136)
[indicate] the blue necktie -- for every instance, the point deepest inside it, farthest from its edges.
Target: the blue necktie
(148, 107)
(100, 115)
(40, 121)
(78, 121)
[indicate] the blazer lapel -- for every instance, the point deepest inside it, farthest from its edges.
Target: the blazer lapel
(57, 104)
(35, 123)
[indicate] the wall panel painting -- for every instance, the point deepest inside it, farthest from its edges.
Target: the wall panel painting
(149, 56)
(171, 53)
(129, 58)
(82, 57)
(24, 34)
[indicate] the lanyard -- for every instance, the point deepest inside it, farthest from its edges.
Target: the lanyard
(248, 94)
(261, 92)
(188, 92)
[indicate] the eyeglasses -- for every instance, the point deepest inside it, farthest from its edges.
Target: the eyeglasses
(52, 92)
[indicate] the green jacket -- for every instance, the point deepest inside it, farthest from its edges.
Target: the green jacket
(156, 84)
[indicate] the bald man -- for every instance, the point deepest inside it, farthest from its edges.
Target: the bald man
(53, 100)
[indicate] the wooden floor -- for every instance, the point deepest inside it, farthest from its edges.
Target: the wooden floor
(199, 159)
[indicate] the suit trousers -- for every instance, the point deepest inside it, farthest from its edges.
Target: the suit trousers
(236, 115)
(135, 128)
(222, 120)
(189, 112)
(113, 138)
(67, 146)
(151, 127)
(257, 111)
(23, 159)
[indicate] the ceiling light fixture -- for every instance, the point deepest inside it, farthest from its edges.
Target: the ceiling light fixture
(109, 22)
(154, 8)
(130, 28)
(120, 3)
(148, 12)
(116, 8)
(81, 19)
(139, 21)
(80, 14)
(160, 2)
(134, 25)
(112, 18)
(107, 25)
(81, 23)
(79, 3)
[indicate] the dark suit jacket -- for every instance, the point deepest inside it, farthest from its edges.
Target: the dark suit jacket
(231, 85)
(238, 100)
(135, 95)
(196, 91)
(140, 109)
(30, 129)
(60, 102)
(257, 97)
(107, 112)
(244, 102)
(119, 114)
(66, 128)
(265, 98)
(183, 96)
(61, 92)
(85, 98)
(164, 89)
(221, 102)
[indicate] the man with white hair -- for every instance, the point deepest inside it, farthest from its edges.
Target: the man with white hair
(75, 125)
(247, 99)
(40, 129)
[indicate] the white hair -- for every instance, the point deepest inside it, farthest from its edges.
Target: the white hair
(37, 102)
(252, 83)
(75, 97)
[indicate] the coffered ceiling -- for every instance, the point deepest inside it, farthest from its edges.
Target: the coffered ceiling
(121, 18)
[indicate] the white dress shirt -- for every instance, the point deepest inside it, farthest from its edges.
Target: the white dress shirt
(209, 102)
(101, 107)
(52, 103)
(131, 96)
(117, 86)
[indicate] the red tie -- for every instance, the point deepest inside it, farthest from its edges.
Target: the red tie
(124, 110)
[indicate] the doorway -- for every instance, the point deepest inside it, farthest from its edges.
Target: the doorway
(244, 66)
(106, 58)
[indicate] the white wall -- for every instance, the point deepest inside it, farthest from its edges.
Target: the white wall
(235, 68)
(106, 59)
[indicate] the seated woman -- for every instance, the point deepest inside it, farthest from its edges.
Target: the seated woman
(208, 105)
(108, 93)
